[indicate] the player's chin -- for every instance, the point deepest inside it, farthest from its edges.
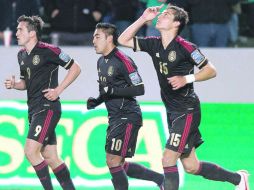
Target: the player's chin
(20, 43)
(97, 51)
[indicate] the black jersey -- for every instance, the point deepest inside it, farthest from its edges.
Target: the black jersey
(118, 70)
(178, 59)
(39, 69)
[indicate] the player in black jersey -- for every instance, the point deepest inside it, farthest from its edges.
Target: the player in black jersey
(39, 63)
(174, 59)
(119, 83)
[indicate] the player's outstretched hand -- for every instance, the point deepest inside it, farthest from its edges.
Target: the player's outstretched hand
(91, 103)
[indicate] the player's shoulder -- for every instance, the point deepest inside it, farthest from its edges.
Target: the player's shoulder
(185, 44)
(121, 55)
(49, 48)
(125, 60)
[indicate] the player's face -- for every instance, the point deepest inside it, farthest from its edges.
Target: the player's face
(165, 20)
(23, 35)
(100, 42)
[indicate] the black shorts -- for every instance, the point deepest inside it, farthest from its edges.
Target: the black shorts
(122, 138)
(42, 126)
(184, 131)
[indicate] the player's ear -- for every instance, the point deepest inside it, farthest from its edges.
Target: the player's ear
(32, 33)
(110, 39)
(177, 23)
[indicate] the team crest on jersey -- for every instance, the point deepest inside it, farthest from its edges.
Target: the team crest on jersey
(36, 60)
(172, 56)
(197, 56)
(64, 57)
(110, 70)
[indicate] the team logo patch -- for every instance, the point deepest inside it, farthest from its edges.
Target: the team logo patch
(135, 78)
(172, 56)
(64, 57)
(36, 60)
(110, 70)
(22, 63)
(197, 57)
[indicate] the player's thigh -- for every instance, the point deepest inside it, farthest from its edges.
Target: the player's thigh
(42, 126)
(121, 139)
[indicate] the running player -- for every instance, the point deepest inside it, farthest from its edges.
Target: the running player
(119, 83)
(39, 63)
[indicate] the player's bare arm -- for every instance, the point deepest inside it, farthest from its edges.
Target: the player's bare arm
(126, 38)
(73, 73)
(11, 83)
(206, 73)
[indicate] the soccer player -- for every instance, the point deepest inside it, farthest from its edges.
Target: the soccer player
(39, 63)
(174, 59)
(119, 83)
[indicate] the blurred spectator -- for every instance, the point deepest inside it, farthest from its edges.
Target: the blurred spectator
(210, 21)
(248, 11)
(2, 20)
(12, 9)
(234, 25)
(124, 13)
(140, 9)
(73, 21)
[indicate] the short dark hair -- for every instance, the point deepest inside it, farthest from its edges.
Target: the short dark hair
(180, 15)
(109, 29)
(34, 23)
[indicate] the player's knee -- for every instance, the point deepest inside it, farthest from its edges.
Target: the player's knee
(30, 153)
(191, 169)
(50, 158)
(112, 162)
(166, 161)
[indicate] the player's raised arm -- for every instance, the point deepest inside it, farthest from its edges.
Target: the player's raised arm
(126, 38)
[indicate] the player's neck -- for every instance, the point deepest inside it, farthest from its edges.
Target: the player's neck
(108, 50)
(167, 37)
(30, 45)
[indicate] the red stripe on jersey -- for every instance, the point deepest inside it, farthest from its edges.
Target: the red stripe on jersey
(126, 140)
(187, 45)
(45, 126)
(185, 133)
(53, 48)
(126, 61)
